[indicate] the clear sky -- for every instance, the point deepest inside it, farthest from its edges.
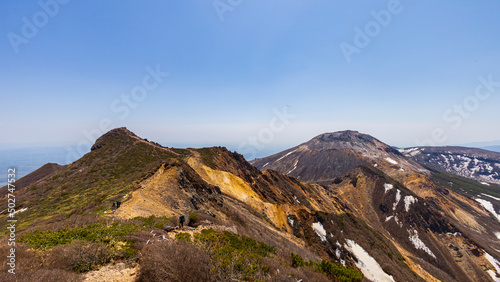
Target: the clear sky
(275, 72)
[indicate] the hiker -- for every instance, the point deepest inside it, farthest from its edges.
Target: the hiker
(114, 205)
(181, 220)
(118, 204)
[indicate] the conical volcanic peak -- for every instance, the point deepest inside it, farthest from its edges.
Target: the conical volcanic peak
(330, 155)
(351, 140)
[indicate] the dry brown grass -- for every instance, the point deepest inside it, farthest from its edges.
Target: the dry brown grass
(31, 266)
(174, 261)
(46, 275)
(80, 256)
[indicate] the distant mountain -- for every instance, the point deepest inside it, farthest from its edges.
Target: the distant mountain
(490, 145)
(34, 177)
(477, 164)
(27, 160)
(330, 155)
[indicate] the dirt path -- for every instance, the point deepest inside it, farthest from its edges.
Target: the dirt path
(113, 273)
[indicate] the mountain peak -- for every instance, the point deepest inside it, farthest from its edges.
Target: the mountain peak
(348, 139)
(338, 133)
(120, 131)
(345, 135)
(330, 155)
(113, 134)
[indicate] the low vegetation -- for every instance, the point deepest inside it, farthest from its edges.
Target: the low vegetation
(333, 271)
(85, 248)
(462, 185)
(234, 256)
(207, 156)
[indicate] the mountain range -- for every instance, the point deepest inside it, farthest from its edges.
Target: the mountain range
(477, 164)
(343, 206)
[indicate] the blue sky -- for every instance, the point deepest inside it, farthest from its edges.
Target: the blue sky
(230, 71)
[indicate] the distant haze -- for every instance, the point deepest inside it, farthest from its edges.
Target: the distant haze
(492, 148)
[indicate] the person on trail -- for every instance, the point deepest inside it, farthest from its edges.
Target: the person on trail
(181, 220)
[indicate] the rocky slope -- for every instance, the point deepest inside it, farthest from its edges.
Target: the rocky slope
(401, 199)
(376, 213)
(477, 164)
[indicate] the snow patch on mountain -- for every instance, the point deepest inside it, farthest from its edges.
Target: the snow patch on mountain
(388, 187)
(285, 155)
(391, 160)
(410, 151)
(496, 264)
(297, 200)
(366, 263)
(408, 201)
(320, 231)
(497, 234)
(488, 206)
(396, 219)
(419, 244)
(498, 199)
(398, 198)
(294, 167)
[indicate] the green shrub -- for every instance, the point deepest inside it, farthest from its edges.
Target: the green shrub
(183, 236)
(232, 253)
(340, 273)
(207, 157)
(336, 272)
(97, 232)
(193, 217)
(153, 221)
(297, 260)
